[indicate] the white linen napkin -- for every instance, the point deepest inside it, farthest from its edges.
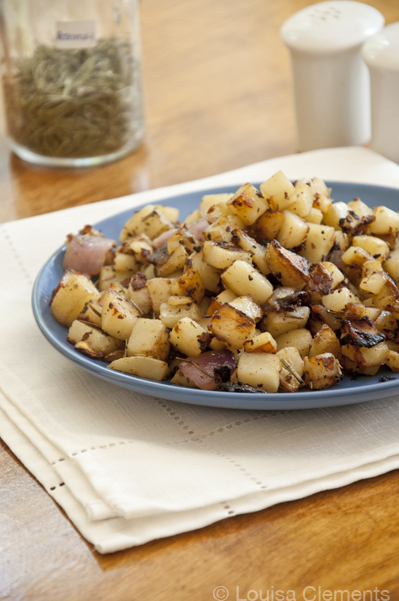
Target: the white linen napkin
(129, 468)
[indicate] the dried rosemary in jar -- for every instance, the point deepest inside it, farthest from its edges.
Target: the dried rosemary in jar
(75, 103)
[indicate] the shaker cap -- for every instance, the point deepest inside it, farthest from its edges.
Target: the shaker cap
(333, 26)
(382, 49)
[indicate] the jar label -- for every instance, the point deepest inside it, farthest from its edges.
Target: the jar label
(75, 34)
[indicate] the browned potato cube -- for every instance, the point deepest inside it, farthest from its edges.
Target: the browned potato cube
(262, 343)
(189, 337)
(72, 293)
(268, 225)
(259, 370)
(142, 366)
(247, 203)
(287, 266)
(189, 284)
(150, 338)
(118, 314)
(325, 341)
(321, 371)
(231, 326)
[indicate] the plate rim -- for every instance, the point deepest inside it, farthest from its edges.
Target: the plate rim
(329, 397)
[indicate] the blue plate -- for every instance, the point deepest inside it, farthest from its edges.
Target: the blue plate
(347, 392)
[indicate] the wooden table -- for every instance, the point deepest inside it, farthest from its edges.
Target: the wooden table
(218, 97)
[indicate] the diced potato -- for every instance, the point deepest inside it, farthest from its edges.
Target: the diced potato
(250, 245)
(242, 278)
(262, 343)
(338, 299)
(210, 276)
(96, 343)
(108, 275)
(278, 191)
(221, 255)
(318, 243)
(189, 337)
(179, 379)
(210, 200)
(224, 222)
(224, 297)
(304, 201)
(291, 355)
(149, 337)
(72, 293)
(355, 256)
(391, 265)
(385, 321)
(356, 311)
(314, 216)
(142, 366)
(287, 266)
(318, 186)
(193, 216)
(159, 290)
(281, 322)
(360, 208)
(322, 202)
(148, 271)
(247, 203)
(374, 246)
(171, 213)
(386, 221)
(260, 370)
(336, 214)
(173, 262)
(231, 326)
(301, 339)
(118, 314)
(170, 313)
(268, 225)
(293, 231)
(321, 371)
(292, 366)
(325, 341)
(247, 305)
(393, 361)
(373, 283)
(149, 220)
(371, 267)
(341, 240)
(137, 292)
(335, 273)
(141, 247)
(366, 357)
(124, 262)
(189, 284)
(388, 297)
(91, 313)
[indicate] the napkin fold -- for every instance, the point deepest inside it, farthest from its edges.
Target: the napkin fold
(129, 468)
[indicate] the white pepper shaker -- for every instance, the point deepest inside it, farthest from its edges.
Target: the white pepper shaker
(381, 53)
(330, 79)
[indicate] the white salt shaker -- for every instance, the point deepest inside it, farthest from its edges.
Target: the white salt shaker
(381, 53)
(330, 78)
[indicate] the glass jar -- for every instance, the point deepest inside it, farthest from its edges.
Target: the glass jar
(71, 74)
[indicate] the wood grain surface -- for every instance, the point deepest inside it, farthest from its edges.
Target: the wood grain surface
(217, 97)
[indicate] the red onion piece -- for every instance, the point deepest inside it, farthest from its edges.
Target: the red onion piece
(162, 238)
(87, 253)
(198, 227)
(201, 370)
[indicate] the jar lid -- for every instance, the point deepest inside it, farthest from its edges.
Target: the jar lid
(382, 49)
(331, 26)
